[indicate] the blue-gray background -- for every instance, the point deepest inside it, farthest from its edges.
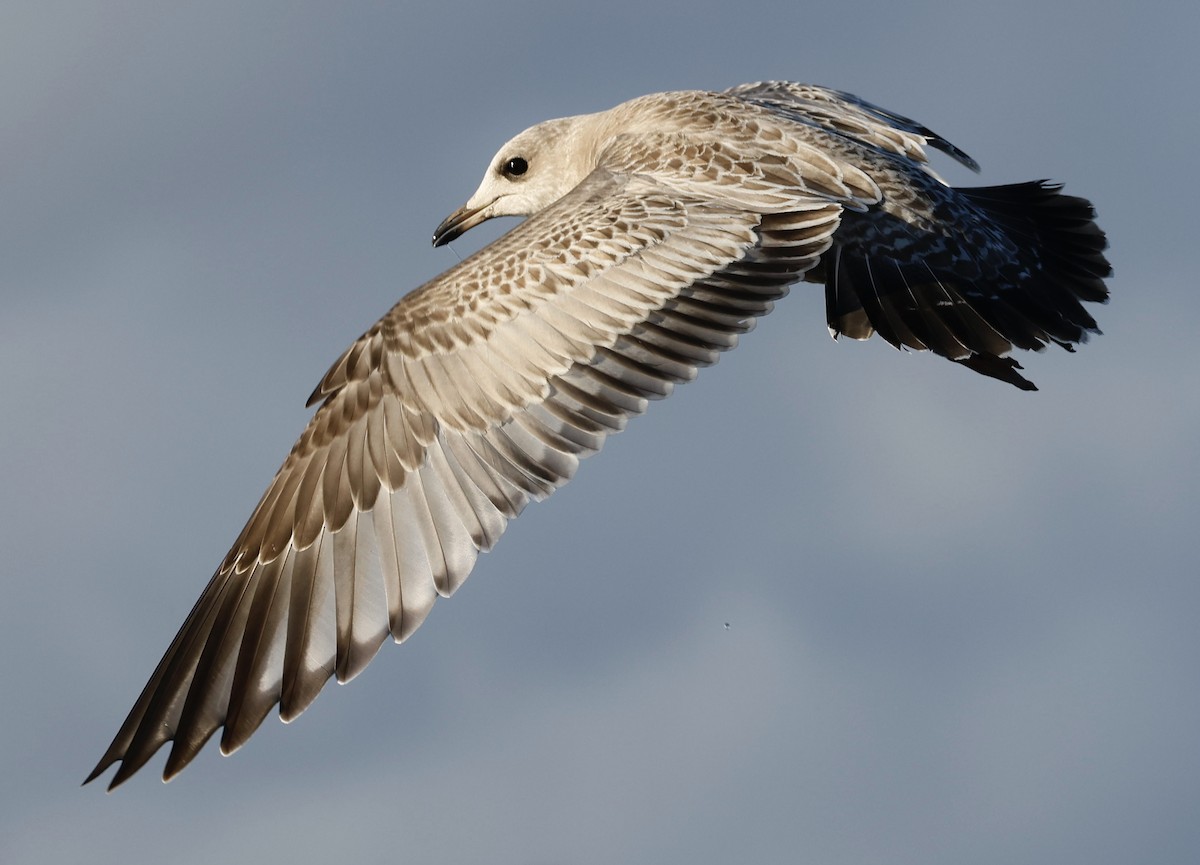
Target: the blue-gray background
(962, 618)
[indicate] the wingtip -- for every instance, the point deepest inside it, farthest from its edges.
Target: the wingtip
(103, 766)
(119, 778)
(1002, 368)
(95, 773)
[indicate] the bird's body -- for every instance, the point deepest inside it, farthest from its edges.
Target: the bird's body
(657, 232)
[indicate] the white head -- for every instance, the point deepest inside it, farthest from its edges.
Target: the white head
(530, 172)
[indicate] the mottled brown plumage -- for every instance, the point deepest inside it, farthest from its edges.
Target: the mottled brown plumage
(657, 232)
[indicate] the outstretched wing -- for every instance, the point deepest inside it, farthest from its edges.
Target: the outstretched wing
(474, 395)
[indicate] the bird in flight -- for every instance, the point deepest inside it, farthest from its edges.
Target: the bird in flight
(656, 233)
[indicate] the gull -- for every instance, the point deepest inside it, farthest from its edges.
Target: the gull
(656, 233)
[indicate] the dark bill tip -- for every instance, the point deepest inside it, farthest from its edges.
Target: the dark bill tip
(456, 224)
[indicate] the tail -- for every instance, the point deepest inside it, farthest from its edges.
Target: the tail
(1010, 267)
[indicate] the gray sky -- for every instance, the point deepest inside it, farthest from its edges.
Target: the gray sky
(962, 617)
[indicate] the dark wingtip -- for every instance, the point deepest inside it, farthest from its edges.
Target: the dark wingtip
(1002, 368)
(121, 776)
(103, 766)
(95, 773)
(117, 780)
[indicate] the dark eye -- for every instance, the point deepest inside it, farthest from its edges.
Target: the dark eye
(515, 167)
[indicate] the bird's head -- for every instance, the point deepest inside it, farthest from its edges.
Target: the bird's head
(527, 174)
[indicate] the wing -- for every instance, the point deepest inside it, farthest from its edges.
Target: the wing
(967, 273)
(476, 394)
(999, 268)
(845, 114)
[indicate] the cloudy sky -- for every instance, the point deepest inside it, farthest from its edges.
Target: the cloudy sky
(961, 618)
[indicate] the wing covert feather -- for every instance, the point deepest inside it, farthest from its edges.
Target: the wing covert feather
(434, 430)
